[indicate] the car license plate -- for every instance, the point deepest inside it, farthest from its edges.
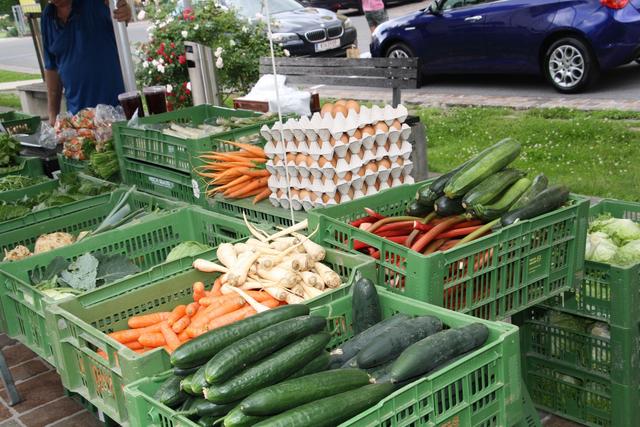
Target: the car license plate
(331, 44)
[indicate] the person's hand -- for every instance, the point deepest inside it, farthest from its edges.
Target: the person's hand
(122, 12)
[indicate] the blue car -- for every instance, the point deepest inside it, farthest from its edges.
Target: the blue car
(567, 41)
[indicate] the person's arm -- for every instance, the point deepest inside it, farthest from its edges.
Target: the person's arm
(54, 94)
(122, 13)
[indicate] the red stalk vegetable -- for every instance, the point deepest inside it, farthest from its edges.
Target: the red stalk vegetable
(365, 220)
(390, 220)
(434, 246)
(457, 232)
(374, 214)
(430, 235)
(396, 226)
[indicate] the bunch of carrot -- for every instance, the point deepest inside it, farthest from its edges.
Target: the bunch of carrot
(236, 174)
(424, 235)
(209, 310)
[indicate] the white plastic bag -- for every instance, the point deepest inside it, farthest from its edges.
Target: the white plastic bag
(291, 100)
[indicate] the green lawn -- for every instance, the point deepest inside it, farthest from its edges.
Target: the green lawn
(11, 76)
(10, 100)
(594, 153)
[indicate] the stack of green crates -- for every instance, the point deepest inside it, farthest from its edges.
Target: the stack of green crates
(574, 370)
(481, 389)
(162, 164)
(27, 166)
(79, 327)
(492, 278)
(20, 123)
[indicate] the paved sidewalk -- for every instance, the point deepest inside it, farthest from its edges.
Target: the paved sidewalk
(424, 98)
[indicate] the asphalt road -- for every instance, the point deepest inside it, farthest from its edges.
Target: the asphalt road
(623, 83)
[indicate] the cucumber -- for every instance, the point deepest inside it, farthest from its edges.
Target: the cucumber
(365, 305)
(429, 193)
(233, 359)
(208, 421)
(203, 408)
(491, 188)
(331, 411)
(269, 371)
(351, 348)
(293, 393)
(402, 335)
(170, 393)
(416, 209)
(319, 364)
(448, 207)
(539, 184)
(425, 355)
(548, 200)
(237, 418)
(381, 374)
(199, 381)
(485, 164)
(502, 205)
(185, 384)
(179, 372)
(199, 350)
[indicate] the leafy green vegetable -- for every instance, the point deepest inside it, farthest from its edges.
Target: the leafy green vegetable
(114, 267)
(55, 267)
(628, 255)
(622, 231)
(10, 211)
(81, 274)
(186, 249)
(9, 150)
(600, 247)
(17, 182)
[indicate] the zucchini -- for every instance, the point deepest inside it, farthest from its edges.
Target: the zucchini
(491, 188)
(179, 372)
(485, 164)
(199, 381)
(237, 418)
(351, 363)
(402, 335)
(319, 364)
(203, 408)
(431, 352)
(331, 411)
(293, 393)
(170, 393)
(448, 207)
(269, 371)
(416, 209)
(549, 200)
(351, 348)
(365, 305)
(429, 193)
(539, 184)
(502, 205)
(233, 359)
(380, 374)
(199, 350)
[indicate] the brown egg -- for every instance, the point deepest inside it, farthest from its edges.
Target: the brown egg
(387, 145)
(364, 187)
(312, 196)
(337, 197)
(326, 109)
(368, 130)
(348, 176)
(276, 159)
(400, 161)
(294, 192)
(389, 181)
(332, 141)
(334, 162)
(322, 161)
(308, 161)
(353, 105)
(339, 109)
(377, 185)
(396, 124)
(371, 167)
(280, 193)
(357, 134)
(291, 157)
(347, 157)
(300, 159)
(302, 194)
(341, 102)
(325, 198)
(344, 138)
(382, 127)
(361, 172)
(384, 162)
(351, 192)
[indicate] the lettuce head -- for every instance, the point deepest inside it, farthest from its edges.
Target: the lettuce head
(600, 248)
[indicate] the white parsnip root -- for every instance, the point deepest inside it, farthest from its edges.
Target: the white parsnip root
(226, 254)
(330, 277)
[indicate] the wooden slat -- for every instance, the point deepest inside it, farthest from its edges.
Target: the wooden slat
(353, 81)
(388, 73)
(344, 62)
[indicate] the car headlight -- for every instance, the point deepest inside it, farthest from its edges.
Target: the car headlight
(284, 37)
(347, 23)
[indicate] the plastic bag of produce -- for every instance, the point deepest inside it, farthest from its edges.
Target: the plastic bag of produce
(47, 137)
(291, 100)
(600, 248)
(84, 119)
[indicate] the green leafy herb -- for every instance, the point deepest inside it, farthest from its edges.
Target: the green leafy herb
(55, 267)
(81, 274)
(9, 150)
(113, 268)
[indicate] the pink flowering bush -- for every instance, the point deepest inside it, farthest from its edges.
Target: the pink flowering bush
(237, 44)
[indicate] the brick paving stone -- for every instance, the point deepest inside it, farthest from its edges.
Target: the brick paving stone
(37, 391)
(81, 419)
(29, 369)
(16, 354)
(51, 412)
(5, 413)
(5, 340)
(11, 423)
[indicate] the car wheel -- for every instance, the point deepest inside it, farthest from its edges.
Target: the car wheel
(399, 50)
(569, 65)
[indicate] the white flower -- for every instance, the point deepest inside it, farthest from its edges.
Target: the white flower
(141, 15)
(145, 64)
(169, 88)
(244, 29)
(286, 52)
(259, 16)
(160, 68)
(218, 52)
(161, 60)
(151, 28)
(219, 63)
(155, 63)
(188, 85)
(184, 34)
(196, 27)
(232, 43)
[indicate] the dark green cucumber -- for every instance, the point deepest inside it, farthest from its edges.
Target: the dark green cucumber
(199, 350)
(547, 201)
(170, 393)
(390, 345)
(199, 381)
(429, 193)
(319, 364)
(208, 421)
(425, 355)
(539, 184)
(237, 418)
(268, 371)
(331, 411)
(186, 405)
(365, 305)
(351, 363)
(416, 209)
(185, 384)
(179, 372)
(448, 207)
(491, 188)
(203, 408)
(352, 347)
(502, 205)
(233, 359)
(292, 393)
(381, 374)
(485, 164)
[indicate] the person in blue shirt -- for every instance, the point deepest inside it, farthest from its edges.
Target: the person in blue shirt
(80, 53)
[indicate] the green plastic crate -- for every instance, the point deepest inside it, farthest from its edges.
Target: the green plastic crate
(154, 147)
(607, 293)
(146, 243)
(80, 326)
(33, 190)
(481, 389)
(27, 166)
(491, 278)
(16, 123)
(531, 417)
(261, 212)
(70, 165)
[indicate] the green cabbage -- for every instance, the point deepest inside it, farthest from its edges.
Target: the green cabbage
(628, 255)
(186, 249)
(600, 248)
(622, 231)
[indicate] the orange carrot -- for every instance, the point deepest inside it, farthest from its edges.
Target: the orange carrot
(258, 183)
(184, 336)
(192, 309)
(142, 350)
(168, 349)
(217, 285)
(253, 149)
(181, 324)
(152, 339)
(207, 301)
(102, 354)
(134, 345)
(198, 291)
(147, 319)
(197, 327)
(238, 315)
(239, 180)
(128, 335)
(262, 195)
(176, 314)
(170, 336)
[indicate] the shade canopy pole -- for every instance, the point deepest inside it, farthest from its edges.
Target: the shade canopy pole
(124, 51)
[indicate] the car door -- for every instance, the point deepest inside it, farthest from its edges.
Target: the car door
(452, 38)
